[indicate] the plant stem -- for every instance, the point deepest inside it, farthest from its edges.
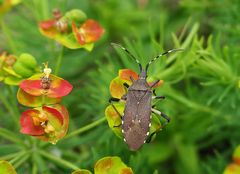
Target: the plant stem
(59, 61)
(8, 106)
(10, 156)
(58, 160)
(34, 168)
(22, 160)
(86, 128)
(19, 156)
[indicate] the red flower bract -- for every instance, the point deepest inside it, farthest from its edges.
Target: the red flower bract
(58, 88)
(89, 32)
(27, 123)
(45, 25)
(40, 90)
(46, 123)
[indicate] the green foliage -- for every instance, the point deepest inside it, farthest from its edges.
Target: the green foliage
(201, 84)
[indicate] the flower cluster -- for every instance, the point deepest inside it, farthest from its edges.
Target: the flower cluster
(14, 69)
(108, 165)
(234, 167)
(64, 29)
(48, 120)
(117, 90)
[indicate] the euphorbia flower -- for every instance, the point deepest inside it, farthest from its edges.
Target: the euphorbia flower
(62, 28)
(43, 89)
(90, 31)
(117, 90)
(48, 123)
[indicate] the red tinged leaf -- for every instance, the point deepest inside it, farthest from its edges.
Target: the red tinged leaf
(55, 113)
(27, 123)
(45, 25)
(157, 85)
(90, 31)
(58, 87)
(117, 88)
(125, 74)
(32, 87)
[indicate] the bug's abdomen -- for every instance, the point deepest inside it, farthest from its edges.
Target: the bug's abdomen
(136, 119)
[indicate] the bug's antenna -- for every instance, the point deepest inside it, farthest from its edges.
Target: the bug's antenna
(130, 54)
(160, 55)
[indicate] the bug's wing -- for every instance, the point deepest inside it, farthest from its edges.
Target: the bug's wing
(130, 111)
(144, 111)
(136, 120)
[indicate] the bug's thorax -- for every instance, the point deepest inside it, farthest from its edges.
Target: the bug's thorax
(141, 83)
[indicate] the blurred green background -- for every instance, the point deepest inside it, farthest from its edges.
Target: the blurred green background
(202, 84)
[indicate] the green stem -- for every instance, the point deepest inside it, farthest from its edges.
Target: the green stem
(58, 160)
(22, 160)
(34, 168)
(10, 156)
(11, 136)
(59, 61)
(86, 128)
(19, 156)
(8, 106)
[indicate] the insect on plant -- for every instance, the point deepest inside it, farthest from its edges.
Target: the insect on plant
(136, 119)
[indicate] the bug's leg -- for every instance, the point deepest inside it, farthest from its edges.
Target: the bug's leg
(132, 79)
(124, 97)
(158, 97)
(161, 114)
(154, 83)
(126, 85)
(154, 92)
(149, 139)
(111, 100)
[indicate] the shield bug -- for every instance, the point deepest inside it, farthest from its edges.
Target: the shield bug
(136, 119)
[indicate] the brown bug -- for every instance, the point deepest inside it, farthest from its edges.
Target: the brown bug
(136, 121)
